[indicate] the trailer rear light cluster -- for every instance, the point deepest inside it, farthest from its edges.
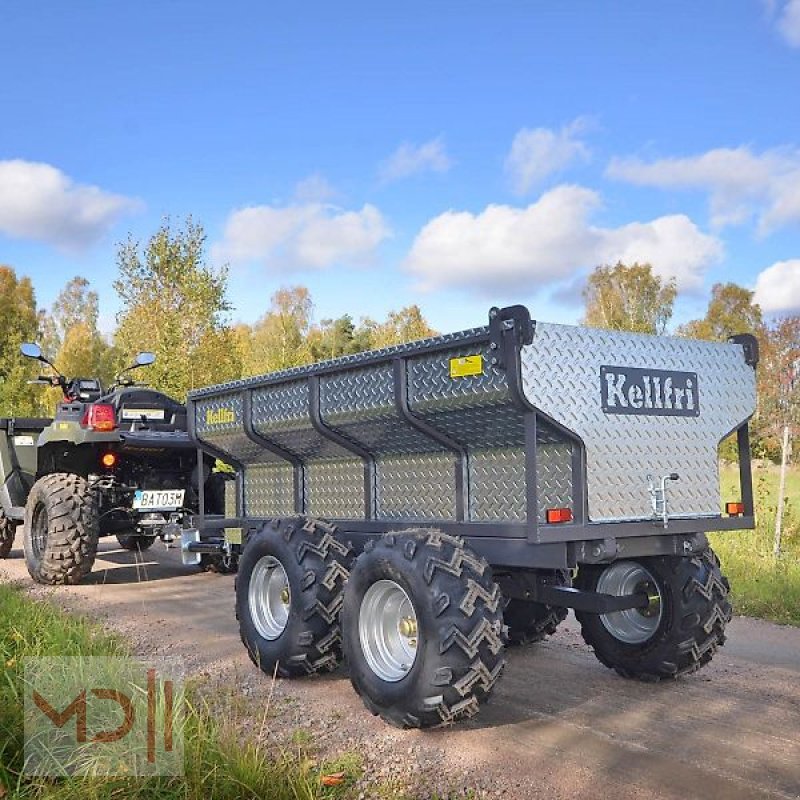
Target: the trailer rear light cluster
(554, 515)
(99, 417)
(734, 509)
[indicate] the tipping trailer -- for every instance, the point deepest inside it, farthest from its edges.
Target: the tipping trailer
(417, 508)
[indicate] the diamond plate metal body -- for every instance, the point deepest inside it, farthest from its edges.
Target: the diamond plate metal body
(416, 486)
(416, 473)
(335, 489)
(269, 490)
(498, 482)
(561, 378)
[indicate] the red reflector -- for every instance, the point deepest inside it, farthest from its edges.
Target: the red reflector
(734, 509)
(109, 460)
(99, 417)
(553, 515)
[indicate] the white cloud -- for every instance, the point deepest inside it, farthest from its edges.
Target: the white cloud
(39, 202)
(315, 188)
(411, 159)
(310, 235)
(674, 245)
(550, 240)
(540, 152)
(789, 22)
(741, 184)
(778, 287)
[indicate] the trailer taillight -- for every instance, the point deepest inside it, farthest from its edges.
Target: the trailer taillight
(109, 460)
(553, 515)
(99, 417)
(734, 509)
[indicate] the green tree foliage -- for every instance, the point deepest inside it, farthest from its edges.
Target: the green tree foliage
(628, 298)
(406, 325)
(19, 322)
(778, 386)
(174, 304)
(82, 349)
(333, 338)
(731, 310)
(278, 339)
(286, 336)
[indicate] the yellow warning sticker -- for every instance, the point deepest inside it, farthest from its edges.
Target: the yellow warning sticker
(465, 366)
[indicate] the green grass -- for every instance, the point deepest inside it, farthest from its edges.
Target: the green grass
(763, 586)
(219, 764)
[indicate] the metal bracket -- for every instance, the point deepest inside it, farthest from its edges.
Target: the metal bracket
(658, 496)
(514, 319)
(750, 345)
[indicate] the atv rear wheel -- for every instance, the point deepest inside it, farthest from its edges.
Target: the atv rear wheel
(681, 629)
(132, 541)
(61, 529)
(8, 530)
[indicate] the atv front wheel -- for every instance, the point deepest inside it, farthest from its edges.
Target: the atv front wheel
(61, 529)
(677, 633)
(8, 530)
(132, 541)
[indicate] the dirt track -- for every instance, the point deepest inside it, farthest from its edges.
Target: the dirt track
(559, 725)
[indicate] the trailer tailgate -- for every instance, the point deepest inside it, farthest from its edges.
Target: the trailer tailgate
(643, 406)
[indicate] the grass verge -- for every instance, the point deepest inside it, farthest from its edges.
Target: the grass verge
(218, 765)
(763, 586)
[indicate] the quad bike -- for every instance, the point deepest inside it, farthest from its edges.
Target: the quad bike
(112, 462)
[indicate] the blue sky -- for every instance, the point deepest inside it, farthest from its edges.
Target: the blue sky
(455, 155)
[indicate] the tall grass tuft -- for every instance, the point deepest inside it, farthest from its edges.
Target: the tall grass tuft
(763, 586)
(218, 764)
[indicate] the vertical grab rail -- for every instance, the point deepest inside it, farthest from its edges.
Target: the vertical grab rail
(298, 470)
(326, 432)
(455, 447)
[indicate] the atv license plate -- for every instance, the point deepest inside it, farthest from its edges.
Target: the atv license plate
(158, 499)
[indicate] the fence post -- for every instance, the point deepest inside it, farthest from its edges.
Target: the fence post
(781, 492)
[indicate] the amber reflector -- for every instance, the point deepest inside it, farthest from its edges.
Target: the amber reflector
(554, 515)
(734, 509)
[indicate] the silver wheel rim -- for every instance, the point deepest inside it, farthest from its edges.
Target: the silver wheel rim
(269, 597)
(387, 628)
(634, 625)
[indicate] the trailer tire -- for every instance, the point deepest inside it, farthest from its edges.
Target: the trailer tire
(61, 529)
(694, 610)
(529, 623)
(8, 530)
(132, 541)
(303, 564)
(421, 596)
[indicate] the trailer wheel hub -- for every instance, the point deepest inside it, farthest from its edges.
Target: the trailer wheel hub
(269, 597)
(387, 629)
(634, 625)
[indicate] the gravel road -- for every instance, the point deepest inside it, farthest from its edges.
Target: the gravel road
(559, 724)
